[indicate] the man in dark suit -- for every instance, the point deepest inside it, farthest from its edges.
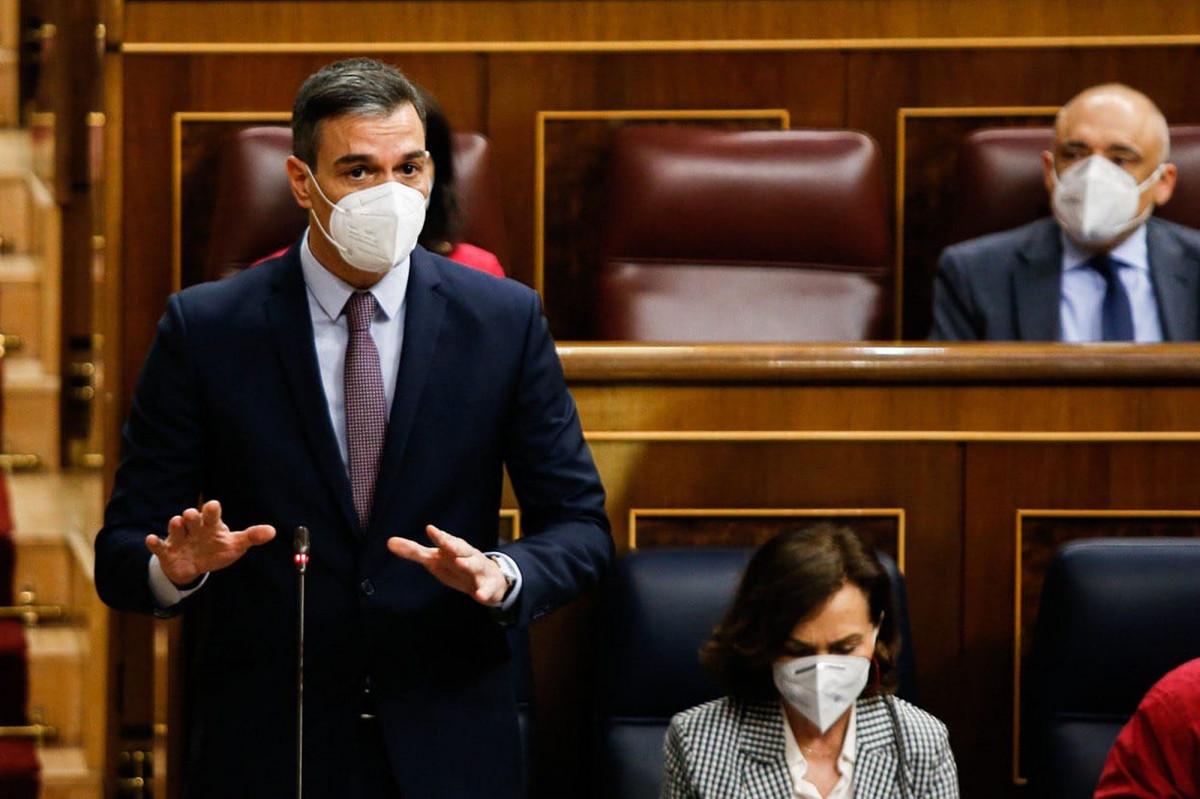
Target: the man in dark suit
(1102, 268)
(373, 392)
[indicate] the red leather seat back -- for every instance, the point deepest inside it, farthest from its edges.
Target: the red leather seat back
(718, 235)
(999, 180)
(254, 213)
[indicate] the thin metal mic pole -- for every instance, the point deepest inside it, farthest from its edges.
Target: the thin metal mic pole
(301, 546)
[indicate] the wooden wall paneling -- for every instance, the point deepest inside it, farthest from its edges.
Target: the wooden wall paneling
(877, 412)
(516, 93)
(1000, 481)
(804, 84)
(634, 20)
(649, 528)
(150, 90)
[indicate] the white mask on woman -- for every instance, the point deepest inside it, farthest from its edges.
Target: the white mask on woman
(1096, 201)
(822, 687)
(374, 229)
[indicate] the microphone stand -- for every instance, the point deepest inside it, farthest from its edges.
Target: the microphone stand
(301, 546)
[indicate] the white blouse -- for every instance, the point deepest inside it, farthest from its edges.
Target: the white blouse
(798, 766)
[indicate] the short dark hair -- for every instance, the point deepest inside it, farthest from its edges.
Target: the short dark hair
(443, 219)
(354, 86)
(787, 580)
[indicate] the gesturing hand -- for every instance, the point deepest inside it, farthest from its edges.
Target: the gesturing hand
(456, 564)
(198, 542)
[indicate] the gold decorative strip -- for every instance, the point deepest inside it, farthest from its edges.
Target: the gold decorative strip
(513, 516)
(665, 115)
(38, 732)
(1022, 515)
(178, 120)
(754, 513)
(665, 45)
(950, 436)
(903, 114)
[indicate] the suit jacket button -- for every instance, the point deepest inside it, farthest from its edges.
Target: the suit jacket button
(367, 588)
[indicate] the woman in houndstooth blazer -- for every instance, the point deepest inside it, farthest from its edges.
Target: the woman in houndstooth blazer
(808, 594)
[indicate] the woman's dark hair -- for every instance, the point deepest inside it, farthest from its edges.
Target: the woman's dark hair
(788, 580)
(443, 219)
(354, 86)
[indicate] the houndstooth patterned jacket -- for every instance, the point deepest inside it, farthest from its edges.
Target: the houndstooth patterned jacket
(729, 748)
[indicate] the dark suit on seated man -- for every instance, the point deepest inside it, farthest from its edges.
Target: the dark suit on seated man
(1102, 269)
(373, 392)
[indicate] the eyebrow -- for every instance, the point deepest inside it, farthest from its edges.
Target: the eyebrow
(1126, 149)
(796, 642)
(358, 158)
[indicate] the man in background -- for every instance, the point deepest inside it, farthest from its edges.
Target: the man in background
(1102, 268)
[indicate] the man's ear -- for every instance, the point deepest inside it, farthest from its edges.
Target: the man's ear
(299, 182)
(1048, 171)
(1165, 187)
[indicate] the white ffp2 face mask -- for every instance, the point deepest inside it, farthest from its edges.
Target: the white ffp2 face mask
(375, 229)
(1096, 201)
(822, 687)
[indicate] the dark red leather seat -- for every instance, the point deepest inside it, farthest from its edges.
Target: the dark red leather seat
(999, 181)
(718, 235)
(255, 215)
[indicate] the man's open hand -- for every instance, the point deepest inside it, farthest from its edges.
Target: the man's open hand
(198, 542)
(456, 564)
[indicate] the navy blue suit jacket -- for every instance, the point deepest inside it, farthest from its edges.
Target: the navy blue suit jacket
(1007, 286)
(230, 406)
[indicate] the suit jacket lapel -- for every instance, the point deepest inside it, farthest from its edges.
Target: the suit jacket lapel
(875, 761)
(1174, 273)
(425, 306)
(1037, 285)
(291, 324)
(765, 770)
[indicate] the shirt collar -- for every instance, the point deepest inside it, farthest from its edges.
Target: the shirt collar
(1133, 251)
(331, 292)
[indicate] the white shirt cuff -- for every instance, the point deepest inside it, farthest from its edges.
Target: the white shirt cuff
(166, 593)
(510, 599)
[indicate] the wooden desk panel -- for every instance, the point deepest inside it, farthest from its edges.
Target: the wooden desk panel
(962, 438)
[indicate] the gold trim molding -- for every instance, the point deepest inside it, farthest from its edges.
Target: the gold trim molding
(759, 513)
(664, 45)
(886, 436)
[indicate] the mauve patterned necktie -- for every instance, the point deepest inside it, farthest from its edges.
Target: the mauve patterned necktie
(366, 404)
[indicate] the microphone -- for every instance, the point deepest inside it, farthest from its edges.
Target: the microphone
(300, 545)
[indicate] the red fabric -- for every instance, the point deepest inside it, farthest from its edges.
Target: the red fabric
(14, 687)
(6, 522)
(8, 556)
(476, 258)
(463, 253)
(18, 769)
(1157, 754)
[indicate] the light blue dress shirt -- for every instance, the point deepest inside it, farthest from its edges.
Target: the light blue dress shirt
(1083, 290)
